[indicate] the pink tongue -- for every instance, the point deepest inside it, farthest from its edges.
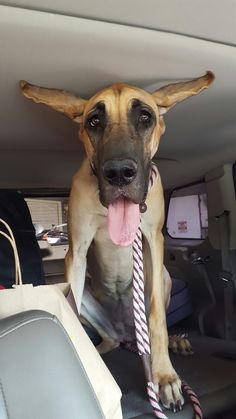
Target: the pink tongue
(123, 221)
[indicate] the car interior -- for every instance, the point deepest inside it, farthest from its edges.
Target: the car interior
(82, 47)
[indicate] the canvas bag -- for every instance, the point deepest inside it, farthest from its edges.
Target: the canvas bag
(52, 298)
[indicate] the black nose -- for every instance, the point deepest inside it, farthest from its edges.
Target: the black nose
(120, 172)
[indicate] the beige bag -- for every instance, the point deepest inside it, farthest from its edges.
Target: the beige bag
(52, 298)
(23, 297)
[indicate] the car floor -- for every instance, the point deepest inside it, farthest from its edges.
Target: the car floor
(210, 371)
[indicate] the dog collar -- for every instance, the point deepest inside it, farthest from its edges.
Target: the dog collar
(153, 172)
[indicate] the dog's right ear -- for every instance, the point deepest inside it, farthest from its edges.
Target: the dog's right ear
(60, 100)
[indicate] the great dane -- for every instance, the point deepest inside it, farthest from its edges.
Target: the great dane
(120, 128)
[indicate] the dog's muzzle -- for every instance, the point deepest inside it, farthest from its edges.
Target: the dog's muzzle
(120, 172)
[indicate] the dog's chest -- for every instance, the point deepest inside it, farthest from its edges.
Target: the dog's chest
(120, 313)
(111, 266)
(111, 269)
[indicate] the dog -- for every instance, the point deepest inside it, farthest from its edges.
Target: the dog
(120, 128)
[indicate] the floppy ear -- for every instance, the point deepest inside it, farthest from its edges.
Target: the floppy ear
(59, 100)
(168, 96)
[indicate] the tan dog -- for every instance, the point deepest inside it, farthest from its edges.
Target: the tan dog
(121, 128)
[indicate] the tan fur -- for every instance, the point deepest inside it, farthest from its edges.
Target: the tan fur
(87, 217)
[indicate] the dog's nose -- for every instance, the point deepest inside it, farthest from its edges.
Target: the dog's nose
(120, 172)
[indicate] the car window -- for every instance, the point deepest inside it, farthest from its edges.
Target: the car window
(49, 216)
(187, 214)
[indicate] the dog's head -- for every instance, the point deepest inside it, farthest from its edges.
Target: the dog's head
(121, 128)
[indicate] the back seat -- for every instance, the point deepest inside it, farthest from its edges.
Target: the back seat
(199, 266)
(180, 305)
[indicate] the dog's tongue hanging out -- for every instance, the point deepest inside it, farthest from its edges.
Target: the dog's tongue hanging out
(123, 221)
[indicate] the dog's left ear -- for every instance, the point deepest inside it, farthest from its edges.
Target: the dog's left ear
(168, 96)
(60, 100)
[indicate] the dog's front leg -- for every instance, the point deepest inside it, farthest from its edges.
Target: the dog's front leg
(76, 259)
(166, 381)
(82, 227)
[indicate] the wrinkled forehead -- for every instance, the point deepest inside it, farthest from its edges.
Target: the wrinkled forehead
(119, 98)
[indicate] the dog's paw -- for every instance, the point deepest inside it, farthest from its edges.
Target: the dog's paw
(169, 393)
(180, 345)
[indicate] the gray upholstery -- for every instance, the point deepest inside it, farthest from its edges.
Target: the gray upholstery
(41, 375)
(212, 378)
(211, 404)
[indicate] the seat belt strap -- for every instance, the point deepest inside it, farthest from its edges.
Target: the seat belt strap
(226, 274)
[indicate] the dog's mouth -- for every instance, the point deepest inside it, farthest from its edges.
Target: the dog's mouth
(123, 221)
(124, 214)
(123, 188)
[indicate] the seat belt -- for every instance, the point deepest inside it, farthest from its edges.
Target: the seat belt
(226, 275)
(201, 264)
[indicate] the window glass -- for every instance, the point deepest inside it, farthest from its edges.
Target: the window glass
(49, 216)
(187, 214)
(46, 212)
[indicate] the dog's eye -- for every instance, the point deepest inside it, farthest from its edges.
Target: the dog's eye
(94, 121)
(144, 117)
